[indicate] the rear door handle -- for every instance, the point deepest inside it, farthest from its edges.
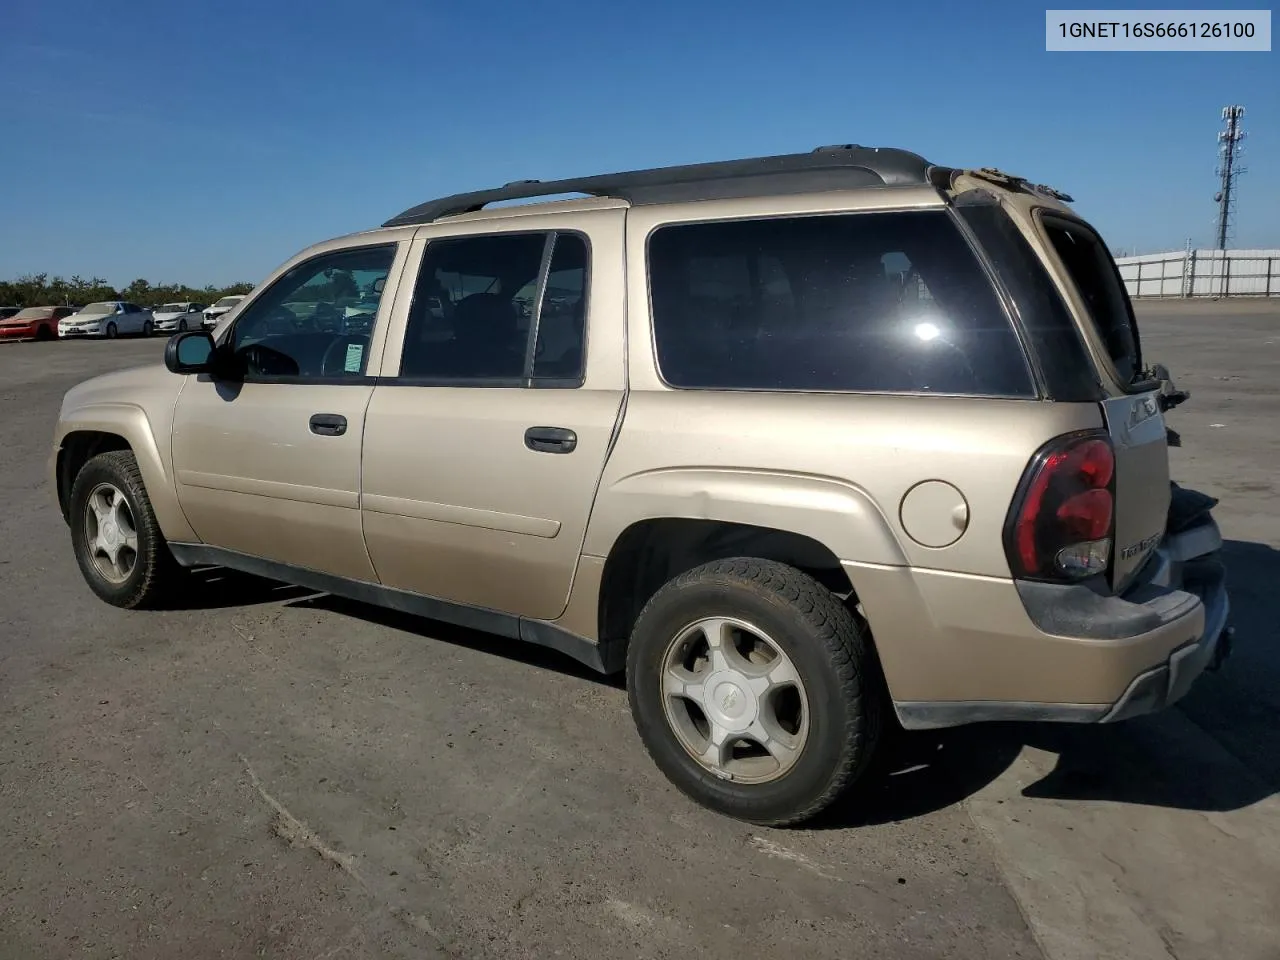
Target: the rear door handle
(550, 439)
(328, 424)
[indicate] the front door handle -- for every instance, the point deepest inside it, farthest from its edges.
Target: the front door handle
(328, 424)
(550, 439)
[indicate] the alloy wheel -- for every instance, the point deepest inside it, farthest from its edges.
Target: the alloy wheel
(734, 700)
(110, 533)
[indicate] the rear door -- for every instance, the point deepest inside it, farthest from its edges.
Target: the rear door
(489, 428)
(1133, 414)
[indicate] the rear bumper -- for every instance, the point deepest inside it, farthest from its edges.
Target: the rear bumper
(958, 649)
(1166, 684)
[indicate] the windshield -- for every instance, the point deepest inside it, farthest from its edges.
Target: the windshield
(100, 308)
(32, 312)
(228, 301)
(172, 308)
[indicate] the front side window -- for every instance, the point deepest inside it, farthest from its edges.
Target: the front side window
(479, 301)
(873, 302)
(303, 326)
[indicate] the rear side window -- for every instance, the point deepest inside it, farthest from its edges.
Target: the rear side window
(1094, 274)
(874, 302)
(479, 302)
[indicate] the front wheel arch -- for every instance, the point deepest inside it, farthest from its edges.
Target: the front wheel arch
(77, 449)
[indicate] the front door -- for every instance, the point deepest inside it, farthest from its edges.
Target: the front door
(487, 435)
(269, 465)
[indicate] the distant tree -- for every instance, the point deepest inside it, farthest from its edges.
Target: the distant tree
(39, 289)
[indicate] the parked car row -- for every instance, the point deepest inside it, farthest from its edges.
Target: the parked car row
(109, 319)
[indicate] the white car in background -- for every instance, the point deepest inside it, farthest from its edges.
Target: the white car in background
(107, 318)
(178, 316)
(215, 313)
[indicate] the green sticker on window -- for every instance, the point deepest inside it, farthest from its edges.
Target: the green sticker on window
(355, 351)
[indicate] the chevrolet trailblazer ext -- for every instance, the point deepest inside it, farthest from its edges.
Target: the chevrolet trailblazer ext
(801, 443)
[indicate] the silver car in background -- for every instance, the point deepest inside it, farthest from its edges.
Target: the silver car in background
(172, 317)
(216, 312)
(107, 318)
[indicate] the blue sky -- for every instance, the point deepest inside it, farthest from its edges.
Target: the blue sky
(207, 141)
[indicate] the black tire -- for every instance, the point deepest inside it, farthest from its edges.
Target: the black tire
(148, 328)
(831, 651)
(182, 326)
(155, 573)
(112, 330)
(44, 333)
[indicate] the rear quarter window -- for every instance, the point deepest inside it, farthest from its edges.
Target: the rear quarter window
(874, 302)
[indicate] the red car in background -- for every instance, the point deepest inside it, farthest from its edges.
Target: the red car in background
(38, 323)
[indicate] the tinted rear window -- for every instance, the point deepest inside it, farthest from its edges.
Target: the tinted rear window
(874, 302)
(1095, 276)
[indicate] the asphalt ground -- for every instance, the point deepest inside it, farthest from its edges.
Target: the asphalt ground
(271, 773)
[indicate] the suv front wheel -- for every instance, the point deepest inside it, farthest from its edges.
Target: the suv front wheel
(118, 544)
(751, 687)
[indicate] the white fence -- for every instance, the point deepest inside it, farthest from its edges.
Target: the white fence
(1202, 273)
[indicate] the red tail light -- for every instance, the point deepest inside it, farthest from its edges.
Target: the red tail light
(1060, 526)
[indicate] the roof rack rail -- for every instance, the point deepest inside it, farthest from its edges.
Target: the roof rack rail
(824, 168)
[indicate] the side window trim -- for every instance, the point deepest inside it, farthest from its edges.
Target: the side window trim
(580, 379)
(539, 295)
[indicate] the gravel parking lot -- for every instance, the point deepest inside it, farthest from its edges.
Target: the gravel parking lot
(274, 773)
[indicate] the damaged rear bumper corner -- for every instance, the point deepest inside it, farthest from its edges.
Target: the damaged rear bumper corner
(1166, 684)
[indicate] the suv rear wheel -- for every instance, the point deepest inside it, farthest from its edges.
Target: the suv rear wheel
(118, 544)
(750, 685)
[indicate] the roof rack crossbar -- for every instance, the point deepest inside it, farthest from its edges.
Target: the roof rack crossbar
(826, 168)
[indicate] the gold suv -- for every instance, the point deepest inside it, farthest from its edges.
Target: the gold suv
(802, 444)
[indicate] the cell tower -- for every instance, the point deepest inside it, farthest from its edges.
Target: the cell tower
(1228, 169)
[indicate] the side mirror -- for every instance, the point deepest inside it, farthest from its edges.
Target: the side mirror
(190, 352)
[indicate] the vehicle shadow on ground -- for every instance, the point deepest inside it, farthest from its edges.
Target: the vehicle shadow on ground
(1164, 760)
(212, 588)
(437, 631)
(1159, 760)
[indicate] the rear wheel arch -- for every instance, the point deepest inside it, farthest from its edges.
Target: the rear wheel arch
(652, 552)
